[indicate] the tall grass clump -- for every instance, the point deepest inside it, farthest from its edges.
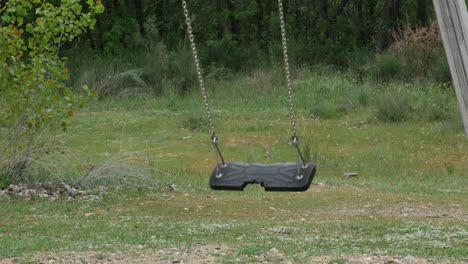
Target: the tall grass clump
(195, 122)
(330, 109)
(412, 55)
(440, 70)
(74, 169)
(150, 70)
(386, 67)
(394, 105)
(435, 102)
(400, 102)
(229, 54)
(362, 96)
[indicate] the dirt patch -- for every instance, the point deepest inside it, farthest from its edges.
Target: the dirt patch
(380, 260)
(208, 255)
(204, 254)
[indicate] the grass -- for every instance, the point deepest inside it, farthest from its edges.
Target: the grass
(410, 197)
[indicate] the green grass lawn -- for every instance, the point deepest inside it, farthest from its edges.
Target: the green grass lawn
(411, 196)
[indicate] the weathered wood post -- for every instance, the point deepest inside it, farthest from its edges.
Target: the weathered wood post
(452, 16)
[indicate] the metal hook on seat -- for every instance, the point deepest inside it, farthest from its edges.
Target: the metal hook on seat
(295, 143)
(215, 142)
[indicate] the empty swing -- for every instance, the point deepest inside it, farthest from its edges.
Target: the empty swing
(291, 176)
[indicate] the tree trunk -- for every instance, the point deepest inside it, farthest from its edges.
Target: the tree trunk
(140, 15)
(395, 14)
(260, 26)
(325, 17)
(233, 23)
(421, 12)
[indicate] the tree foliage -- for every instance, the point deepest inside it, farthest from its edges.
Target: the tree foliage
(319, 31)
(32, 75)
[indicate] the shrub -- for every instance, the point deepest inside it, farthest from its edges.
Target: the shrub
(417, 49)
(123, 83)
(440, 70)
(386, 67)
(357, 59)
(329, 109)
(181, 72)
(393, 108)
(453, 124)
(195, 122)
(154, 62)
(362, 96)
(435, 101)
(148, 70)
(34, 95)
(230, 54)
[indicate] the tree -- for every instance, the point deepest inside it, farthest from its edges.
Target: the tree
(32, 75)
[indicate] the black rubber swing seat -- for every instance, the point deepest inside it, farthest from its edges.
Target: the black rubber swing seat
(273, 177)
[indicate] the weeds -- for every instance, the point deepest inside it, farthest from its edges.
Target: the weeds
(331, 110)
(387, 67)
(392, 108)
(417, 49)
(121, 173)
(150, 71)
(362, 96)
(440, 70)
(195, 122)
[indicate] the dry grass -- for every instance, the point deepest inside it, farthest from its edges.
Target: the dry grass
(418, 49)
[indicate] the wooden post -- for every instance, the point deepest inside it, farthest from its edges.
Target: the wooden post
(453, 22)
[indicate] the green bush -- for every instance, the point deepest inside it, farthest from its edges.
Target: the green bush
(417, 49)
(34, 95)
(181, 72)
(393, 108)
(386, 67)
(454, 124)
(436, 108)
(230, 54)
(155, 63)
(329, 109)
(150, 70)
(195, 122)
(440, 70)
(362, 96)
(357, 60)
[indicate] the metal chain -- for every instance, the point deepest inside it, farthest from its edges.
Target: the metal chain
(292, 118)
(199, 70)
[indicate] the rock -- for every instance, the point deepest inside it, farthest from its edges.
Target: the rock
(172, 187)
(273, 251)
(408, 259)
(391, 261)
(89, 214)
(350, 175)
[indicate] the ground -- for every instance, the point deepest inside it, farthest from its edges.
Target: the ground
(143, 163)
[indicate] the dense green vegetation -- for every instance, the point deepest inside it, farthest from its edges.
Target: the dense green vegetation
(142, 45)
(34, 97)
(239, 34)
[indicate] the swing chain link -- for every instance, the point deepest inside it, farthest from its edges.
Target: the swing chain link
(292, 117)
(199, 71)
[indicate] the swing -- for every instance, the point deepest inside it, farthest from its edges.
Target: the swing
(291, 176)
